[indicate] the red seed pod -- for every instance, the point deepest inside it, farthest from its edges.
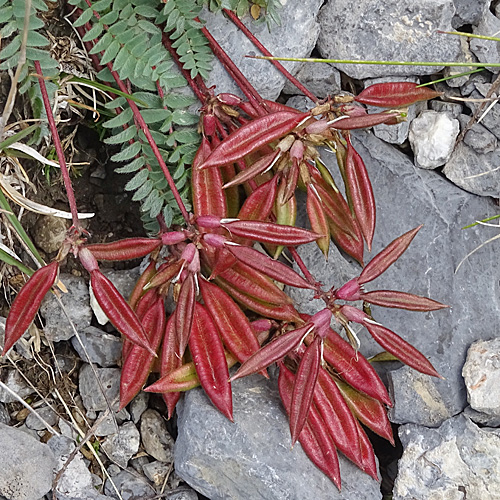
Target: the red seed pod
(258, 167)
(365, 121)
(303, 388)
(173, 237)
(387, 257)
(119, 313)
(224, 260)
(317, 127)
(128, 249)
(138, 290)
(369, 411)
(253, 136)
(208, 196)
(340, 421)
(318, 219)
(139, 361)
(184, 312)
(28, 301)
(210, 362)
(209, 124)
(404, 351)
(402, 300)
(170, 361)
(89, 262)
(314, 438)
(350, 291)
(232, 324)
(229, 99)
(208, 221)
(361, 193)
(395, 94)
(272, 352)
(270, 267)
(259, 204)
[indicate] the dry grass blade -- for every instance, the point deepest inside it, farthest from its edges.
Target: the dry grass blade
(475, 250)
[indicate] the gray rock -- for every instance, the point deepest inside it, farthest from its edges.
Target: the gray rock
(457, 461)
(320, 79)
(482, 419)
(156, 440)
(481, 373)
(394, 134)
(446, 107)
(48, 414)
(480, 139)
(296, 42)
(138, 406)
(91, 394)
(183, 494)
(102, 348)
(428, 405)
(139, 462)
(76, 481)
(486, 50)
(432, 138)
(224, 460)
(476, 79)
(108, 425)
(130, 486)
(373, 30)
(491, 118)
(407, 196)
(156, 472)
(120, 447)
(469, 12)
(17, 384)
(465, 57)
(49, 233)
(27, 465)
(474, 172)
(76, 303)
(4, 415)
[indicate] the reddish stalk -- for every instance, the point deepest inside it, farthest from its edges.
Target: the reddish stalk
(237, 21)
(140, 121)
(246, 87)
(59, 150)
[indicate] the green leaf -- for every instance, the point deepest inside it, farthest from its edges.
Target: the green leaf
(177, 101)
(11, 49)
(119, 120)
(137, 181)
(124, 136)
(182, 117)
(93, 33)
(148, 27)
(132, 166)
(110, 52)
(101, 5)
(110, 18)
(36, 40)
(143, 191)
(84, 18)
(121, 59)
(155, 115)
(102, 43)
(146, 11)
(17, 137)
(127, 153)
(156, 206)
(168, 215)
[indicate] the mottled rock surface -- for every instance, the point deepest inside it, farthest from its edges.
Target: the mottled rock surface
(374, 30)
(282, 40)
(120, 447)
(102, 348)
(27, 465)
(91, 393)
(224, 460)
(457, 461)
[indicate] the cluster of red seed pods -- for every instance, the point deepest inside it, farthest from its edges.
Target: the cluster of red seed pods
(219, 280)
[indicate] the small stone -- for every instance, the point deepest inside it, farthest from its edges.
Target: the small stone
(423, 401)
(156, 472)
(156, 440)
(481, 373)
(76, 481)
(76, 303)
(456, 461)
(4, 415)
(49, 233)
(468, 12)
(27, 465)
(482, 419)
(184, 494)
(139, 462)
(451, 108)
(91, 394)
(320, 79)
(487, 51)
(102, 348)
(432, 138)
(122, 446)
(108, 425)
(480, 139)
(130, 486)
(17, 384)
(48, 414)
(67, 429)
(138, 406)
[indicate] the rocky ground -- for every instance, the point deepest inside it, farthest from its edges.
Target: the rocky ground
(449, 442)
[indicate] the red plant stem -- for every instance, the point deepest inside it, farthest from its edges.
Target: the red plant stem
(246, 87)
(237, 21)
(140, 121)
(297, 258)
(201, 91)
(59, 150)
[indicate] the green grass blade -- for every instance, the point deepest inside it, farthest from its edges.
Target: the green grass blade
(17, 137)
